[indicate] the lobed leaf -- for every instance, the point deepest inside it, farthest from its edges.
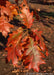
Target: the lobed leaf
(14, 47)
(27, 16)
(5, 26)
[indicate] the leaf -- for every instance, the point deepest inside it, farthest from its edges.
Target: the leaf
(34, 59)
(13, 46)
(40, 41)
(27, 17)
(13, 8)
(6, 13)
(9, 11)
(5, 26)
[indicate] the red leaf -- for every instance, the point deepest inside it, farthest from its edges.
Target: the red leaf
(5, 27)
(33, 52)
(6, 13)
(27, 17)
(13, 46)
(13, 8)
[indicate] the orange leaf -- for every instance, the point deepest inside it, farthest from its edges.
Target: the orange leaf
(5, 27)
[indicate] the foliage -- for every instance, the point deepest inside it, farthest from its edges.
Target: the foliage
(24, 45)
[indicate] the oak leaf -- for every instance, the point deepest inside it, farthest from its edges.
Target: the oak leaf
(34, 58)
(13, 46)
(27, 16)
(5, 27)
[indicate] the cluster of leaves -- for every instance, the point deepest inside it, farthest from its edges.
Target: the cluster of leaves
(7, 13)
(24, 45)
